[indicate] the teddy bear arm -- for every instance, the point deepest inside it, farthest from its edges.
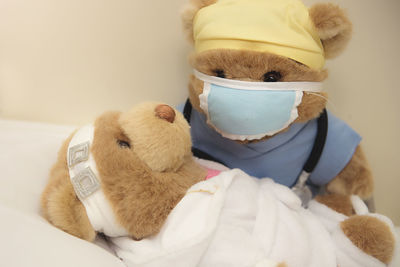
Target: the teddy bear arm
(371, 235)
(339, 203)
(355, 179)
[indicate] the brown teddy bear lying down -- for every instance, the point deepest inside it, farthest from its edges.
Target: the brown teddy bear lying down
(132, 177)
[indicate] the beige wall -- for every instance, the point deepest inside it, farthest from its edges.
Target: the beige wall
(364, 91)
(65, 61)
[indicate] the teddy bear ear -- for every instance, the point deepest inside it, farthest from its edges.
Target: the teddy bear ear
(333, 26)
(189, 12)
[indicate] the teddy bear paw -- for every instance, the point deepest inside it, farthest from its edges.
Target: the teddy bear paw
(371, 235)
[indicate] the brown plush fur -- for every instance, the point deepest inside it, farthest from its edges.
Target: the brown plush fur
(251, 66)
(335, 30)
(188, 14)
(333, 27)
(331, 22)
(370, 235)
(356, 178)
(140, 196)
(163, 153)
(338, 203)
(60, 206)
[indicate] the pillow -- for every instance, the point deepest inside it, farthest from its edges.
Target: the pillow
(27, 152)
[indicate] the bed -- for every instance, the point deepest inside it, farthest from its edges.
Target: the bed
(27, 152)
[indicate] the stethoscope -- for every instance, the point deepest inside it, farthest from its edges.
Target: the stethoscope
(300, 187)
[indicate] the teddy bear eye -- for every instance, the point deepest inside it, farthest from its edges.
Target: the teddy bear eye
(272, 76)
(219, 73)
(123, 144)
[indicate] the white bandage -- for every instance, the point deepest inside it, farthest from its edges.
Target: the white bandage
(85, 180)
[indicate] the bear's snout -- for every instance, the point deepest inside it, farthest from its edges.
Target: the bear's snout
(165, 112)
(159, 135)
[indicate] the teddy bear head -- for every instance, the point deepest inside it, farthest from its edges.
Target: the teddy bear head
(133, 167)
(265, 41)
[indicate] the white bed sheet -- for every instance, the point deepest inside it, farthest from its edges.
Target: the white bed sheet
(27, 152)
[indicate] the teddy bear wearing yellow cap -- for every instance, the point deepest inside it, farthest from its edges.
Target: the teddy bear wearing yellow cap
(255, 99)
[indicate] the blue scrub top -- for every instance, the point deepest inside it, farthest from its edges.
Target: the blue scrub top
(283, 156)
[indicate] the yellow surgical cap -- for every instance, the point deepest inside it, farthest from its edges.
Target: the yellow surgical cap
(281, 27)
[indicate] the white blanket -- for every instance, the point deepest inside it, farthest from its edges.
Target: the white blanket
(236, 220)
(29, 239)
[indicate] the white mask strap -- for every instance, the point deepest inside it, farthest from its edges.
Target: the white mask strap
(279, 86)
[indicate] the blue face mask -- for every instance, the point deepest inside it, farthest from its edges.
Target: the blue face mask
(241, 110)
